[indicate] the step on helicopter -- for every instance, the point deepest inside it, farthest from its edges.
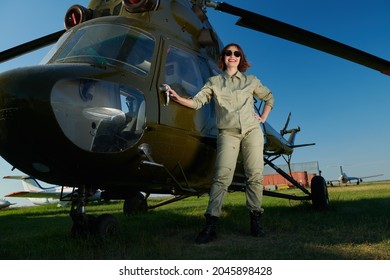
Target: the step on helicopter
(101, 119)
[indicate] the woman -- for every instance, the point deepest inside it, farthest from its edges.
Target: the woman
(239, 129)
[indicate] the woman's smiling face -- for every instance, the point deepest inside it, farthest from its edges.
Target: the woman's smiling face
(231, 60)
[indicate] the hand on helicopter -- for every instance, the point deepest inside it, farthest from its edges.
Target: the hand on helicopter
(172, 93)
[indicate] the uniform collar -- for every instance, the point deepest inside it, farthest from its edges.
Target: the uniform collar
(238, 75)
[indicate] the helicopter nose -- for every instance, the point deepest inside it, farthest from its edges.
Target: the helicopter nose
(19, 95)
(95, 115)
(50, 115)
(6, 113)
(25, 118)
(24, 100)
(24, 88)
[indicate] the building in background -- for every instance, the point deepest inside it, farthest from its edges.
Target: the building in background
(301, 172)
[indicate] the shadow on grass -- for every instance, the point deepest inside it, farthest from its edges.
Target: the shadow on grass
(356, 229)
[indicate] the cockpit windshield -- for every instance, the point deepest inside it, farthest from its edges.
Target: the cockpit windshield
(107, 44)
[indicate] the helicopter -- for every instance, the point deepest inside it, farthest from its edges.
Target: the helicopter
(98, 96)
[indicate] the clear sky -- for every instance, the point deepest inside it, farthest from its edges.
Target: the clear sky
(341, 106)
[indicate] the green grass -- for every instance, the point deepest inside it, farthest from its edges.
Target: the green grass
(356, 226)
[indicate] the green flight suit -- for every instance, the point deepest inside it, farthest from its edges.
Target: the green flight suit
(239, 130)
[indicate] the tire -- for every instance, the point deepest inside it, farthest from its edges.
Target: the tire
(106, 225)
(135, 205)
(319, 193)
(83, 225)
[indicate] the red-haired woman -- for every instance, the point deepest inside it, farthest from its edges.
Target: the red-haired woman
(239, 130)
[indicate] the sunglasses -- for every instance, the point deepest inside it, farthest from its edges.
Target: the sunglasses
(235, 53)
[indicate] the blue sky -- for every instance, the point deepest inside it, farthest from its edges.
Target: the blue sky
(339, 105)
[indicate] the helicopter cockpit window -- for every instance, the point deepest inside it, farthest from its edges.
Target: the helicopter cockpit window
(108, 44)
(54, 49)
(182, 71)
(99, 116)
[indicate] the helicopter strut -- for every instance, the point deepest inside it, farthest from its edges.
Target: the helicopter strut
(84, 225)
(318, 194)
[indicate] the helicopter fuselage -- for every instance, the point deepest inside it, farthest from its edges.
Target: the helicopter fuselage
(81, 118)
(92, 113)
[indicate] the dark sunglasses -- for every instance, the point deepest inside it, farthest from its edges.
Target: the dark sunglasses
(236, 53)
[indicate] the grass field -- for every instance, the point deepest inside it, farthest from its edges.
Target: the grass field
(356, 226)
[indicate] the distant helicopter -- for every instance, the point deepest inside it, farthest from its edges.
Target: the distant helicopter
(97, 117)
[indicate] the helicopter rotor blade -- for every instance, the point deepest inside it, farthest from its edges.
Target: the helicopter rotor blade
(30, 46)
(295, 34)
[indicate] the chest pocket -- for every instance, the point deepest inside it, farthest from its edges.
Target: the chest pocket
(225, 99)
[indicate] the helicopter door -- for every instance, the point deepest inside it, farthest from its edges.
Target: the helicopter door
(182, 71)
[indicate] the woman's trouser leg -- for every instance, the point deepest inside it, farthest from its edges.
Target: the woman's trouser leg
(252, 147)
(228, 147)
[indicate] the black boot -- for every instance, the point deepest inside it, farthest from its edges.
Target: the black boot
(256, 229)
(209, 231)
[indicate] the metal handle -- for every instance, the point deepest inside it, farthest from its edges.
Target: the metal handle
(165, 89)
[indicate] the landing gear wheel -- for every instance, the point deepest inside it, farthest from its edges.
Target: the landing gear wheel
(83, 225)
(106, 225)
(135, 205)
(319, 193)
(88, 225)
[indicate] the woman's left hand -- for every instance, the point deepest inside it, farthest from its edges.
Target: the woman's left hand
(258, 118)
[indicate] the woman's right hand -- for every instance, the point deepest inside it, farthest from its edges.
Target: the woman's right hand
(173, 94)
(177, 98)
